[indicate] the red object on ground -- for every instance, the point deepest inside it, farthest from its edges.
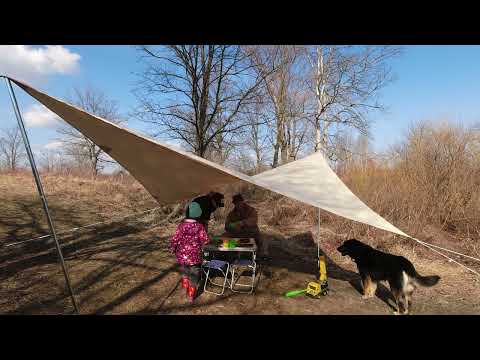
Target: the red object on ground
(191, 293)
(185, 283)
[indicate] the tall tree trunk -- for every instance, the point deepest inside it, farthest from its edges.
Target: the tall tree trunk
(320, 92)
(318, 136)
(259, 160)
(292, 146)
(276, 151)
(286, 142)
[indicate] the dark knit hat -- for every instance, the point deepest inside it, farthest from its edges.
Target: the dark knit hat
(237, 198)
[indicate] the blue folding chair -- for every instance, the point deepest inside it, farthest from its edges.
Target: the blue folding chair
(223, 267)
(242, 265)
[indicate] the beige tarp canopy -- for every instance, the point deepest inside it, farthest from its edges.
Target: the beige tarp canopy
(171, 175)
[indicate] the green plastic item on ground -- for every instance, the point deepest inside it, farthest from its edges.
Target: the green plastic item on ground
(295, 293)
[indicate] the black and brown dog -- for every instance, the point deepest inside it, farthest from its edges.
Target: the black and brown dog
(374, 265)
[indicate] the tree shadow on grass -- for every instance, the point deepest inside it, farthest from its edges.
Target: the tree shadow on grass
(136, 290)
(302, 259)
(28, 221)
(76, 246)
(127, 252)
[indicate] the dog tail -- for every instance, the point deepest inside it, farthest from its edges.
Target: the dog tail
(426, 281)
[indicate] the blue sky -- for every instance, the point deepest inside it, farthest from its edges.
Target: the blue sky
(432, 82)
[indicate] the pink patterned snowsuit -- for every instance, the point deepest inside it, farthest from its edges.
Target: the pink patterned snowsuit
(187, 242)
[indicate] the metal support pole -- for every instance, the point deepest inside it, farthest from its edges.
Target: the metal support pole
(40, 189)
(318, 243)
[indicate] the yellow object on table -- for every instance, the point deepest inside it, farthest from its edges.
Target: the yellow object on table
(229, 243)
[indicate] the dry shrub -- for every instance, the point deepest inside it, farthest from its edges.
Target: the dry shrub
(428, 186)
(286, 212)
(431, 179)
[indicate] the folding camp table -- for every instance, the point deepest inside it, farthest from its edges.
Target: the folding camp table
(244, 245)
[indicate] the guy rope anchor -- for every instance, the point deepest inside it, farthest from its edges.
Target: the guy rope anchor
(314, 289)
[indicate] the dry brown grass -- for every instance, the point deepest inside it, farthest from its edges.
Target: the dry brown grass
(73, 200)
(429, 186)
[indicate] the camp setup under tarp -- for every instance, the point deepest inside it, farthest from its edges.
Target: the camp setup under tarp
(171, 175)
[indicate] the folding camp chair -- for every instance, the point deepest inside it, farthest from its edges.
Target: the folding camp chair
(242, 264)
(215, 265)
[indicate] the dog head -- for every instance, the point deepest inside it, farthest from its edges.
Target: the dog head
(353, 248)
(218, 199)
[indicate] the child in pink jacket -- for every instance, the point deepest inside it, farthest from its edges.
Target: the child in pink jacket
(187, 244)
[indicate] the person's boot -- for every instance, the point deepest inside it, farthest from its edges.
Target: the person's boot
(192, 291)
(185, 282)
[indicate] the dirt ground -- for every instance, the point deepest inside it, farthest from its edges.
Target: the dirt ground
(125, 268)
(130, 271)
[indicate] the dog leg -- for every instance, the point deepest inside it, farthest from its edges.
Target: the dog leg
(398, 287)
(402, 302)
(373, 289)
(396, 294)
(403, 305)
(408, 288)
(408, 297)
(369, 287)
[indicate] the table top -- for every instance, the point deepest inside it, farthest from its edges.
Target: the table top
(247, 246)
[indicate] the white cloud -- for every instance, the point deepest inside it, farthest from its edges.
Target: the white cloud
(54, 145)
(173, 143)
(39, 116)
(27, 62)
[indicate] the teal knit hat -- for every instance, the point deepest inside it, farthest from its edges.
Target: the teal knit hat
(194, 210)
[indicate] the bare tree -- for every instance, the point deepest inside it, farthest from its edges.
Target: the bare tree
(53, 160)
(362, 149)
(254, 138)
(221, 147)
(76, 145)
(296, 126)
(48, 160)
(346, 81)
(12, 149)
(278, 62)
(195, 93)
(342, 145)
(256, 142)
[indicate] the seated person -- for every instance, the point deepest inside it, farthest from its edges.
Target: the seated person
(242, 221)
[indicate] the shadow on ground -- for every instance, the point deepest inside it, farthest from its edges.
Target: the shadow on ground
(120, 255)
